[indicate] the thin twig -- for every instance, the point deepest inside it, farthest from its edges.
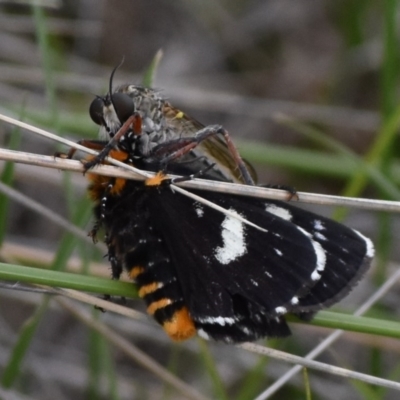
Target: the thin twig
(45, 212)
(255, 348)
(132, 351)
(319, 366)
(328, 341)
(221, 187)
(199, 184)
(97, 302)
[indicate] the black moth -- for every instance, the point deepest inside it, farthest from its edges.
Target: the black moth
(199, 269)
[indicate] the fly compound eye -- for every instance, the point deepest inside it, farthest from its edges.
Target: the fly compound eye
(123, 106)
(96, 111)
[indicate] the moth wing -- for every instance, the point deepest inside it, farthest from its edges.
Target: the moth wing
(234, 275)
(348, 256)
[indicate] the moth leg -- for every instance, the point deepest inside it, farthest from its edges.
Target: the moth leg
(116, 265)
(101, 209)
(93, 232)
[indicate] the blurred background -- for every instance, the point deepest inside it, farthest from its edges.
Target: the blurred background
(304, 88)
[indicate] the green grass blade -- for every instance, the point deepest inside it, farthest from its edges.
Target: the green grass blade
(42, 37)
(68, 243)
(372, 172)
(100, 364)
(390, 62)
(150, 73)
(254, 381)
(13, 368)
(330, 319)
(66, 280)
(211, 369)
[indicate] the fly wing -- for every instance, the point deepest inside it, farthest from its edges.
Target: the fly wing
(214, 148)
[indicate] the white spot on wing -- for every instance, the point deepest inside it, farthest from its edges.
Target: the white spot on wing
(281, 310)
(319, 253)
(199, 210)
(233, 237)
(278, 252)
(217, 320)
(318, 226)
(320, 236)
(315, 276)
(245, 330)
(278, 211)
(295, 300)
(368, 243)
(202, 334)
